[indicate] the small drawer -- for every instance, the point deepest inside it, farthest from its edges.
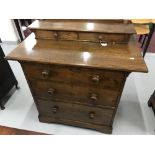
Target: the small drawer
(75, 112)
(63, 35)
(42, 34)
(112, 80)
(56, 35)
(104, 37)
(75, 93)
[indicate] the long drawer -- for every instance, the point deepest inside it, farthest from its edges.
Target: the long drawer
(74, 93)
(82, 36)
(112, 80)
(74, 112)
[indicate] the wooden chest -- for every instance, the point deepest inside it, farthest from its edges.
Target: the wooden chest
(76, 69)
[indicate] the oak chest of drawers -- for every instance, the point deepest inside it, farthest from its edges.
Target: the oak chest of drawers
(76, 69)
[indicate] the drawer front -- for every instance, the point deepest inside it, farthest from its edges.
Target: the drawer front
(82, 36)
(75, 93)
(54, 35)
(112, 80)
(97, 37)
(45, 34)
(74, 112)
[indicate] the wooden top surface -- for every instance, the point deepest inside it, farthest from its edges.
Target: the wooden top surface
(124, 57)
(104, 26)
(143, 21)
(142, 29)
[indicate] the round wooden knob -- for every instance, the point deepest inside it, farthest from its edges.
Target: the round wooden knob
(55, 34)
(51, 91)
(45, 73)
(93, 97)
(91, 115)
(55, 109)
(96, 78)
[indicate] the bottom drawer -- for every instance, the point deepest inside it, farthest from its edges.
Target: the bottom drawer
(75, 112)
(101, 128)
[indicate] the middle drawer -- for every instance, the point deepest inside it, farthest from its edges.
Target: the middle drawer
(75, 93)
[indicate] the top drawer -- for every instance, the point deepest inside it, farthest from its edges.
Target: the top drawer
(94, 77)
(82, 36)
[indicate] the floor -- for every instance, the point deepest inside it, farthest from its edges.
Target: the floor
(13, 131)
(133, 115)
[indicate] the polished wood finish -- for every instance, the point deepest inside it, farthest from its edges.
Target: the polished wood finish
(110, 21)
(81, 30)
(75, 76)
(106, 26)
(13, 131)
(121, 57)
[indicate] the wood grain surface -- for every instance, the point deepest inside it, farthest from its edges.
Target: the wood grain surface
(84, 26)
(122, 57)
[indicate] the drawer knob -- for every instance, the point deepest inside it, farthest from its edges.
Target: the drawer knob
(96, 78)
(55, 109)
(103, 43)
(51, 91)
(91, 115)
(45, 73)
(94, 97)
(55, 34)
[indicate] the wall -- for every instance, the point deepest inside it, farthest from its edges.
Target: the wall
(8, 31)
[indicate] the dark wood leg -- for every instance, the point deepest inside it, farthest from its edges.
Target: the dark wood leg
(140, 38)
(143, 41)
(19, 30)
(149, 39)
